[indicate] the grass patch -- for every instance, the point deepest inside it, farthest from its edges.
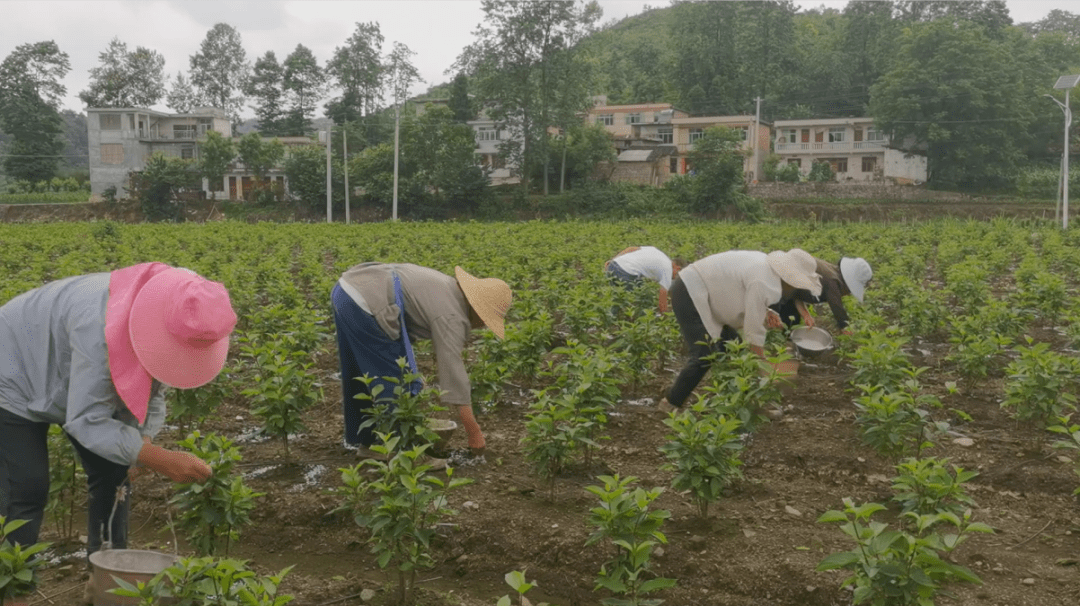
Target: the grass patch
(65, 197)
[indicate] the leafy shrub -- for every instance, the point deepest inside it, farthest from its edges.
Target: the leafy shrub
(209, 582)
(1040, 384)
(624, 518)
(703, 451)
(926, 486)
(879, 359)
(895, 423)
(67, 482)
(211, 513)
(18, 564)
(283, 389)
(516, 581)
(897, 567)
(402, 414)
(401, 507)
(554, 432)
(1071, 441)
(820, 172)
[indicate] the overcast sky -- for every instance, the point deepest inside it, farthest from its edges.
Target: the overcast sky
(436, 30)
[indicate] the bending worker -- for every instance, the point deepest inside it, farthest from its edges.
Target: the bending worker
(379, 308)
(634, 265)
(849, 278)
(93, 355)
(715, 297)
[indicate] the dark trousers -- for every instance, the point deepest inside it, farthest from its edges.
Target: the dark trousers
(24, 483)
(788, 312)
(363, 349)
(696, 336)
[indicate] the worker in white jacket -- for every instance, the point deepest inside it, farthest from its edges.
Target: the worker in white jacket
(718, 296)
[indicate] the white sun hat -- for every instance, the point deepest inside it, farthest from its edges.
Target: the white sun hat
(856, 273)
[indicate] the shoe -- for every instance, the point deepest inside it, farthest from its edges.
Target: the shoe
(363, 452)
(666, 408)
(88, 592)
(435, 464)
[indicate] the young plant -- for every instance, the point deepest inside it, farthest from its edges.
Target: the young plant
(973, 349)
(285, 388)
(926, 486)
(18, 566)
(401, 508)
(1071, 441)
(898, 567)
(516, 580)
(646, 342)
(741, 387)
(403, 414)
(703, 451)
(897, 423)
(624, 518)
(189, 407)
(554, 432)
(879, 359)
(211, 513)
(208, 582)
(67, 482)
(1039, 385)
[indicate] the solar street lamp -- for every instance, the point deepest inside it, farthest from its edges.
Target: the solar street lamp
(1065, 83)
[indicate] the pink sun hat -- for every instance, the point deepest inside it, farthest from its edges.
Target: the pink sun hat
(178, 325)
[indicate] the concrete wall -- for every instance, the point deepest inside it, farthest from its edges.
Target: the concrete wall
(910, 169)
(861, 190)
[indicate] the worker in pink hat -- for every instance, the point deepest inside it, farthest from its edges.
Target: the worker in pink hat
(93, 355)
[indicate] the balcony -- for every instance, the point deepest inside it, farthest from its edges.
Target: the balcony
(843, 146)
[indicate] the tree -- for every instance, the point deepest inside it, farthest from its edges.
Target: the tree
(716, 182)
(126, 79)
(182, 97)
(460, 103)
(76, 140)
(1057, 21)
(219, 71)
(215, 154)
(161, 187)
(513, 64)
(962, 98)
(580, 149)
(357, 69)
(30, 93)
(267, 89)
(400, 72)
(260, 156)
(304, 84)
(441, 152)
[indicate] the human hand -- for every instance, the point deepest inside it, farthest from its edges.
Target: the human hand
(184, 467)
(137, 471)
(772, 319)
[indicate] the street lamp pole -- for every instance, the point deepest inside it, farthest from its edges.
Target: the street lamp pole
(1065, 83)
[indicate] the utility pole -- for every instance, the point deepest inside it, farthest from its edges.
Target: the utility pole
(757, 120)
(345, 156)
(397, 124)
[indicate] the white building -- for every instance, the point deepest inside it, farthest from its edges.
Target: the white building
(854, 147)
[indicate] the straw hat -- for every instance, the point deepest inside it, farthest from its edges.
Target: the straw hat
(856, 273)
(180, 324)
(489, 297)
(797, 268)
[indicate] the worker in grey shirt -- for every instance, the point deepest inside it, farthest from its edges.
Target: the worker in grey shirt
(379, 308)
(93, 354)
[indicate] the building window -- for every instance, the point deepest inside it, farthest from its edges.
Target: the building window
(836, 134)
(745, 133)
(487, 134)
(839, 165)
(666, 134)
(858, 135)
(633, 118)
(673, 165)
(795, 162)
(869, 163)
(789, 135)
(819, 136)
(873, 134)
(806, 135)
(112, 153)
(696, 133)
(187, 153)
(184, 131)
(109, 121)
(606, 119)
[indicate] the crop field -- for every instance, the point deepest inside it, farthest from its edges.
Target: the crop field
(948, 405)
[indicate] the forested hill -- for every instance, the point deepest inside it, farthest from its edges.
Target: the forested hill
(716, 57)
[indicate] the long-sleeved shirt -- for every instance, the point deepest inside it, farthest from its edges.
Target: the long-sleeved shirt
(735, 289)
(54, 368)
(832, 292)
(435, 309)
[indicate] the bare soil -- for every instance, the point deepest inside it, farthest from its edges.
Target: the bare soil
(759, 546)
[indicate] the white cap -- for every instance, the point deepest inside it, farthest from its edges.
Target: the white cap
(856, 273)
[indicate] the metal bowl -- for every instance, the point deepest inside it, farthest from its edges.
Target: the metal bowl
(811, 341)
